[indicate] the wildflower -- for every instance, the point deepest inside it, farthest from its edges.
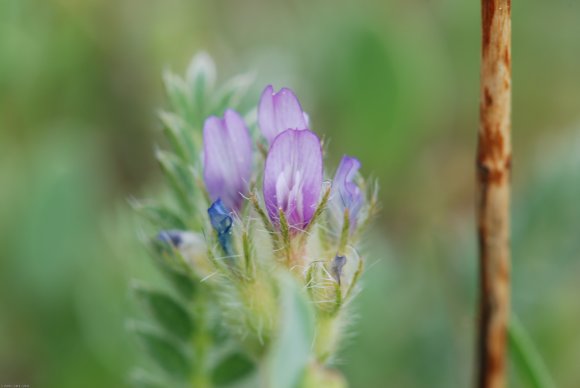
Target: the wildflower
(227, 160)
(346, 192)
(293, 177)
(221, 221)
(278, 112)
(249, 284)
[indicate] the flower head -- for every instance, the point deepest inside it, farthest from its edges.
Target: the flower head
(346, 192)
(279, 111)
(293, 177)
(227, 160)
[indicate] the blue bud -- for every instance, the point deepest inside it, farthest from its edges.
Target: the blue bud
(221, 220)
(219, 216)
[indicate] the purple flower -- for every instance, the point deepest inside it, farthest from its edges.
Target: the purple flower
(278, 112)
(227, 159)
(293, 177)
(346, 193)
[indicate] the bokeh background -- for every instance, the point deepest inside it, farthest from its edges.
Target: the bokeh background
(393, 82)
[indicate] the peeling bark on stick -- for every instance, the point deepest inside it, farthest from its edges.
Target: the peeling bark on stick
(493, 202)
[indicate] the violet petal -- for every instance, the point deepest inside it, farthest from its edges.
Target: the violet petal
(227, 166)
(279, 111)
(346, 192)
(293, 177)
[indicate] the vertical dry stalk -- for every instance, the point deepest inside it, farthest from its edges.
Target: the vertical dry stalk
(493, 203)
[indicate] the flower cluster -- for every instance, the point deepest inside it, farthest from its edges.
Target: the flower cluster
(277, 229)
(292, 178)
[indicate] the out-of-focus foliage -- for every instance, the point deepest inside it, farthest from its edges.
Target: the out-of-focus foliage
(394, 82)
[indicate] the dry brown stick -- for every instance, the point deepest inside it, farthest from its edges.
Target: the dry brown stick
(493, 202)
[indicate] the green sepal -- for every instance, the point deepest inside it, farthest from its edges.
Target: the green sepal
(318, 212)
(248, 252)
(285, 233)
(355, 278)
(344, 234)
(265, 220)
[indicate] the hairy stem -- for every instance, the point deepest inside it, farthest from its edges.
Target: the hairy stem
(327, 336)
(493, 177)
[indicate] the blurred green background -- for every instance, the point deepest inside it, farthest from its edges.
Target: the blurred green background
(393, 82)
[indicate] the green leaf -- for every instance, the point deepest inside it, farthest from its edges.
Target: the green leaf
(200, 78)
(219, 334)
(179, 177)
(141, 379)
(526, 357)
(159, 216)
(182, 282)
(174, 267)
(164, 352)
(166, 255)
(168, 312)
(179, 135)
(291, 350)
(234, 367)
(178, 94)
(231, 94)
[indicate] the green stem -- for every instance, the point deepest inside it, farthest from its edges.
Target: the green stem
(201, 343)
(327, 337)
(527, 358)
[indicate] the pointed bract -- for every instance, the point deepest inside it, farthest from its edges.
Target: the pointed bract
(227, 163)
(278, 112)
(293, 177)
